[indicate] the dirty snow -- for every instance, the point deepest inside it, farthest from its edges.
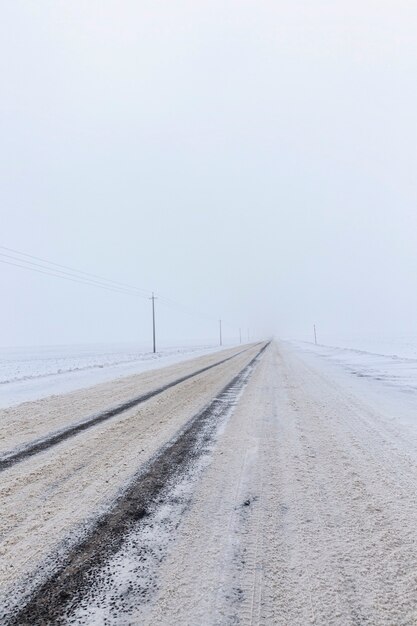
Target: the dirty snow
(315, 521)
(46, 500)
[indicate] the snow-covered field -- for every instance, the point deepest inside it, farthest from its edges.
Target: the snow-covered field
(403, 346)
(33, 373)
(392, 361)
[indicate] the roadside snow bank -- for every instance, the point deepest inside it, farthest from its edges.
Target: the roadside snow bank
(31, 374)
(396, 371)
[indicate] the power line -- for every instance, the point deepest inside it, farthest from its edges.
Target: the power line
(74, 280)
(51, 268)
(72, 269)
(124, 287)
(79, 276)
(43, 269)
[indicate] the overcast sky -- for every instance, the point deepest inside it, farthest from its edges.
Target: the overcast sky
(254, 160)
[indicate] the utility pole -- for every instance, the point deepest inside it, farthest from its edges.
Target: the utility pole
(248, 336)
(240, 335)
(315, 335)
(153, 321)
(220, 331)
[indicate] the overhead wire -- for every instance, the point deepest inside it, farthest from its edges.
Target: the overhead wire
(51, 268)
(89, 275)
(70, 278)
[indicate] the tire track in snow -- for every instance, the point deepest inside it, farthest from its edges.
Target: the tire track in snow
(149, 490)
(40, 445)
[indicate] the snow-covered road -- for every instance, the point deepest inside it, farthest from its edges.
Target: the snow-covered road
(316, 517)
(280, 490)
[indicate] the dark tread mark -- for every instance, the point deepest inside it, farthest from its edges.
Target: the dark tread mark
(40, 445)
(53, 600)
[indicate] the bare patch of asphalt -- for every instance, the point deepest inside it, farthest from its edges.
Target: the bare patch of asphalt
(62, 597)
(40, 445)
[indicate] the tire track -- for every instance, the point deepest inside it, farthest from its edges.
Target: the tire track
(40, 445)
(57, 595)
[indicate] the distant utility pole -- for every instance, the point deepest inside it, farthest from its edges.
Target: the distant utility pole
(240, 335)
(220, 331)
(153, 321)
(315, 335)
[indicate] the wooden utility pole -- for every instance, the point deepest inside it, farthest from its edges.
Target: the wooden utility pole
(153, 322)
(240, 335)
(315, 335)
(220, 332)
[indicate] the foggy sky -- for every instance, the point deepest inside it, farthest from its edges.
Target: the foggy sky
(254, 161)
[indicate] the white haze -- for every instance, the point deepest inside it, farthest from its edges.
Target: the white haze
(254, 161)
